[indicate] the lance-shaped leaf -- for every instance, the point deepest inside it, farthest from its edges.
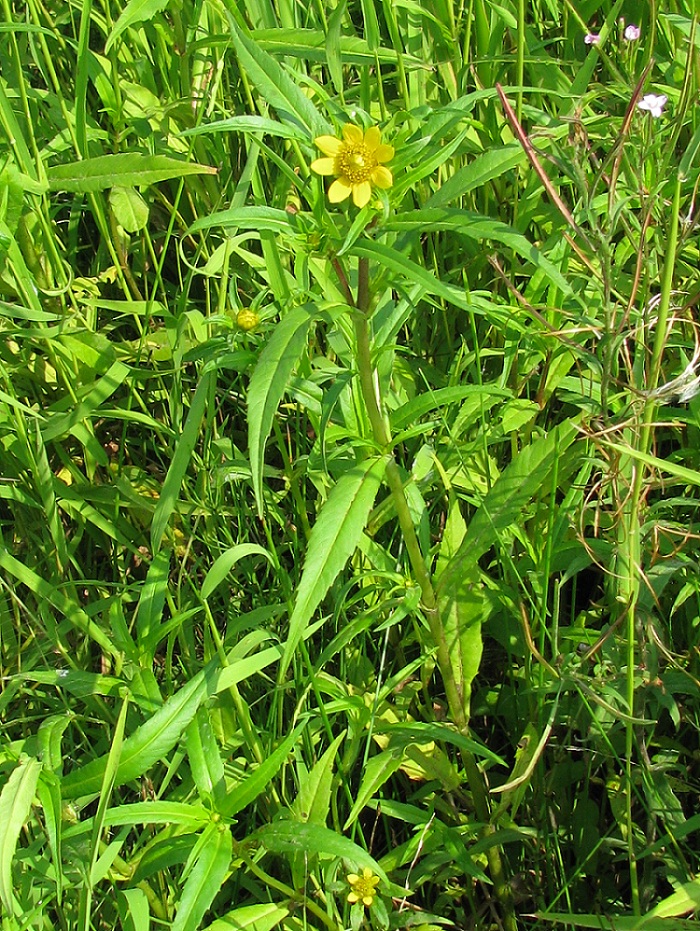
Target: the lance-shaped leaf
(461, 601)
(333, 540)
(269, 382)
(131, 169)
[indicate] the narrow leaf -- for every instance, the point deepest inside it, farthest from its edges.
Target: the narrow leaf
(181, 460)
(205, 878)
(225, 563)
(250, 788)
(275, 86)
(150, 742)
(333, 540)
(15, 804)
(131, 169)
(268, 384)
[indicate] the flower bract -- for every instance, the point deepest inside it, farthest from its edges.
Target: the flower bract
(363, 888)
(653, 103)
(356, 160)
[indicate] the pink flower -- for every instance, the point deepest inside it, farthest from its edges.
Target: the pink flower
(591, 38)
(632, 33)
(653, 103)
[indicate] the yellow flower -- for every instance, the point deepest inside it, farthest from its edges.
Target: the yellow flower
(355, 160)
(363, 888)
(247, 319)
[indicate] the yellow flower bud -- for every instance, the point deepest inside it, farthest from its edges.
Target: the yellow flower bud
(247, 319)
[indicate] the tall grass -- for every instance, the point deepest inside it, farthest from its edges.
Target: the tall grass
(348, 542)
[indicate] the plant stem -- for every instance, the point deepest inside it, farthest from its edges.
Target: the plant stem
(453, 689)
(629, 568)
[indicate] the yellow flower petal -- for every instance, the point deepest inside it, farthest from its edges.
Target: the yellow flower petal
(352, 879)
(373, 138)
(353, 134)
(384, 153)
(323, 166)
(339, 190)
(329, 145)
(361, 193)
(382, 177)
(352, 898)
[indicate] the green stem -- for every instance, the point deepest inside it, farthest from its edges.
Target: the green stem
(288, 892)
(630, 543)
(453, 690)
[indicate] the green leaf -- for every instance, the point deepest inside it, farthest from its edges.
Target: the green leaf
(55, 596)
(620, 922)
(134, 911)
(293, 837)
(268, 383)
(259, 125)
(462, 603)
(135, 12)
(515, 488)
(15, 805)
(480, 228)
(181, 460)
(152, 600)
(250, 918)
(392, 260)
(150, 742)
(130, 209)
(248, 218)
(205, 877)
(61, 423)
(190, 815)
(377, 770)
(275, 86)
(313, 800)
(128, 170)
(206, 764)
(224, 563)
(333, 540)
(685, 899)
(251, 787)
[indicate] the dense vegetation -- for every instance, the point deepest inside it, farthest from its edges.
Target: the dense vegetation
(349, 477)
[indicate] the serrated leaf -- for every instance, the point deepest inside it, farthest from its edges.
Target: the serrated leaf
(131, 169)
(333, 540)
(314, 796)
(480, 228)
(377, 770)
(461, 600)
(135, 12)
(275, 86)
(251, 787)
(151, 741)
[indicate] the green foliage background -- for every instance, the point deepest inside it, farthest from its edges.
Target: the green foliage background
(224, 687)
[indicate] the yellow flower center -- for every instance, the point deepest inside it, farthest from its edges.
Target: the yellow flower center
(364, 887)
(355, 162)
